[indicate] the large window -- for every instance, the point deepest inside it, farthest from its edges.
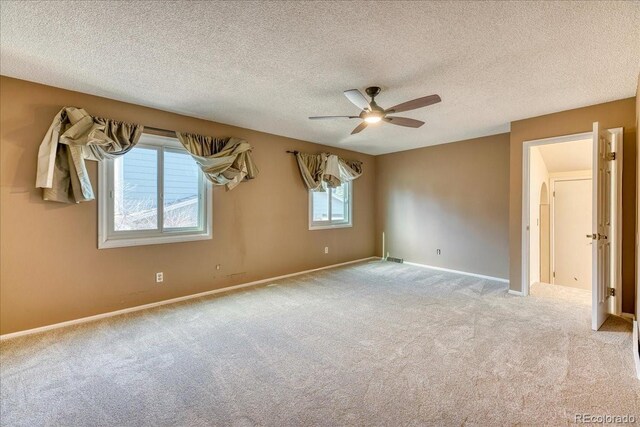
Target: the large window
(330, 208)
(155, 193)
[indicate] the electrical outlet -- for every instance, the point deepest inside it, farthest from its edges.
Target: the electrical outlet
(159, 277)
(326, 249)
(438, 251)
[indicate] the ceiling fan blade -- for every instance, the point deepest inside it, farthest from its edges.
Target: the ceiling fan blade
(332, 117)
(359, 128)
(416, 103)
(404, 121)
(357, 98)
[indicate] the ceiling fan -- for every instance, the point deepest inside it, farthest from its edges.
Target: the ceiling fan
(373, 113)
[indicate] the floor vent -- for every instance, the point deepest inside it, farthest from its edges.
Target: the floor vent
(392, 259)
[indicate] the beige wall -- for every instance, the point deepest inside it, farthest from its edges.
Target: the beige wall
(452, 197)
(610, 115)
(464, 198)
(51, 270)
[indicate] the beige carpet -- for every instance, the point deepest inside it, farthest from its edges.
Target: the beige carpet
(371, 344)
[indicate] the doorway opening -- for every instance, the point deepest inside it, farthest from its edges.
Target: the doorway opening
(560, 213)
(571, 219)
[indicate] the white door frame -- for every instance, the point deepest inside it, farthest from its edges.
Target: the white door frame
(553, 178)
(616, 307)
(526, 154)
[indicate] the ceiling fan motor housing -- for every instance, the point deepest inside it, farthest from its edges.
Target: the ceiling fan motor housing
(374, 108)
(373, 91)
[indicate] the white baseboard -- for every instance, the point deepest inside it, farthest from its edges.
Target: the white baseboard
(466, 273)
(636, 355)
(516, 293)
(168, 301)
(629, 316)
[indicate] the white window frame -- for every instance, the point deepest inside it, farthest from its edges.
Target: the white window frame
(323, 225)
(109, 238)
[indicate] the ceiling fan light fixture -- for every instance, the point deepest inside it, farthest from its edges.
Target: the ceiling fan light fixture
(372, 119)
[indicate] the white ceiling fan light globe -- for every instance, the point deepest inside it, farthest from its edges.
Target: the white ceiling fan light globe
(372, 119)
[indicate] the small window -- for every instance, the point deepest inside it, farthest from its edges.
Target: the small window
(155, 193)
(330, 208)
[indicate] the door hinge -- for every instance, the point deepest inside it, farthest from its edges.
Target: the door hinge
(554, 194)
(554, 274)
(610, 156)
(611, 292)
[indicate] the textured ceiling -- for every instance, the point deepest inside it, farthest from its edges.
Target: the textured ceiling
(568, 156)
(269, 65)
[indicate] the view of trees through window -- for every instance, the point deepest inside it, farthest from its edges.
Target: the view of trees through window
(136, 181)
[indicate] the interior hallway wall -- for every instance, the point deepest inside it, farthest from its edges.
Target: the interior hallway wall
(52, 271)
(572, 215)
(545, 241)
(610, 115)
(452, 197)
(538, 175)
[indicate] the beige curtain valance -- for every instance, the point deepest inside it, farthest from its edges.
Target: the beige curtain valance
(329, 168)
(73, 137)
(224, 161)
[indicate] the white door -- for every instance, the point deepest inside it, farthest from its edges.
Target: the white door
(606, 228)
(571, 216)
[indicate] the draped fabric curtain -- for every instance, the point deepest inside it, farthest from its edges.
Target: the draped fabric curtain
(224, 161)
(312, 169)
(73, 137)
(328, 168)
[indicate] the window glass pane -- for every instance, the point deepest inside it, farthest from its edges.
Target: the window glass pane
(340, 203)
(135, 194)
(320, 205)
(181, 190)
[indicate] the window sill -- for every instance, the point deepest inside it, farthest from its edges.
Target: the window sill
(329, 226)
(144, 241)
